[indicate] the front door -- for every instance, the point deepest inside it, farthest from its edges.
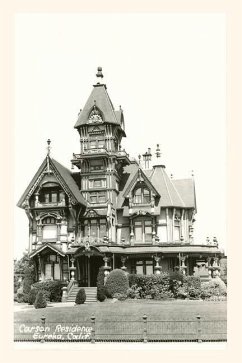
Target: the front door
(88, 270)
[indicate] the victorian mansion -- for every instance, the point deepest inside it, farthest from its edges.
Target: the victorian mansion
(111, 210)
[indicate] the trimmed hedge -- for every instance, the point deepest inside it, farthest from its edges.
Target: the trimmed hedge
(80, 296)
(101, 291)
(51, 288)
(40, 301)
(117, 282)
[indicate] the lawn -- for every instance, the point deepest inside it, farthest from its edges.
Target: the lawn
(123, 320)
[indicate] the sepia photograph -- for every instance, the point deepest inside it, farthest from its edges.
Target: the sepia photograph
(120, 178)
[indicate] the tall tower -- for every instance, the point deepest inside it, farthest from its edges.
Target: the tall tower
(101, 159)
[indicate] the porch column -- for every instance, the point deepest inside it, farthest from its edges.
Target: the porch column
(72, 268)
(183, 267)
(123, 260)
(216, 267)
(42, 273)
(157, 267)
(88, 272)
(209, 267)
(106, 267)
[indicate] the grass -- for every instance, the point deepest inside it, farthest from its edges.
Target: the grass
(128, 310)
(123, 320)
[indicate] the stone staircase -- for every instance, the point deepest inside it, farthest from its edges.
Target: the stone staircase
(91, 294)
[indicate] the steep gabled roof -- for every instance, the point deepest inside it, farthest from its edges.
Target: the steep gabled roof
(62, 174)
(127, 177)
(46, 246)
(100, 98)
(186, 189)
(169, 194)
(140, 173)
(172, 193)
(70, 182)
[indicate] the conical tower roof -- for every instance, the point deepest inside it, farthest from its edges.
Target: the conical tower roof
(100, 100)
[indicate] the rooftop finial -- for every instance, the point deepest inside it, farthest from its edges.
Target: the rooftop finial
(99, 74)
(158, 151)
(48, 147)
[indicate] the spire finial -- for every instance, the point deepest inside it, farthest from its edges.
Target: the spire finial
(48, 147)
(157, 151)
(99, 74)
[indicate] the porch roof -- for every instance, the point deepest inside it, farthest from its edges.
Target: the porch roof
(43, 247)
(151, 249)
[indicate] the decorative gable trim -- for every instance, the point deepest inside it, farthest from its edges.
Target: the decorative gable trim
(47, 167)
(43, 247)
(91, 213)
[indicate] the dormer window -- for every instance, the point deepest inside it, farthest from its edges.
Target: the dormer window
(141, 196)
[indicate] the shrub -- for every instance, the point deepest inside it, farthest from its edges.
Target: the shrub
(213, 290)
(134, 292)
(52, 289)
(119, 296)
(192, 282)
(101, 291)
(32, 296)
(40, 301)
(20, 297)
(150, 286)
(182, 292)
(117, 282)
(29, 277)
(80, 296)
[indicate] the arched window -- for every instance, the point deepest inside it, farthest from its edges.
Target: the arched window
(49, 228)
(141, 196)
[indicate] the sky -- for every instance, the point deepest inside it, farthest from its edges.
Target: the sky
(167, 71)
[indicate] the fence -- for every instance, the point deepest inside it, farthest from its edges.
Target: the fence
(143, 330)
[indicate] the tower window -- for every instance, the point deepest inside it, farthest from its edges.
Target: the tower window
(96, 164)
(97, 183)
(97, 197)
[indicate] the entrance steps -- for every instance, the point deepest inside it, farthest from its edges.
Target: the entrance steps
(91, 294)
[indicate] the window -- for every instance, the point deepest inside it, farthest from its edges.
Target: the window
(97, 183)
(49, 228)
(101, 144)
(93, 228)
(50, 196)
(103, 228)
(52, 267)
(148, 231)
(96, 165)
(96, 228)
(144, 267)
(143, 230)
(92, 144)
(176, 230)
(97, 197)
(141, 196)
